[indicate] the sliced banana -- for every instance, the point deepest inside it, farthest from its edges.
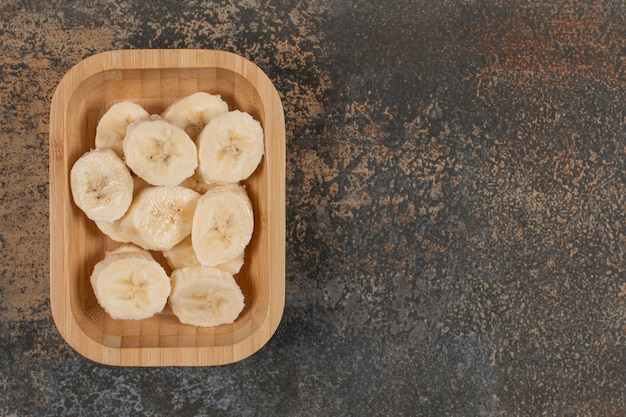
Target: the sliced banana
(205, 296)
(115, 230)
(101, 185)
(234, 265)
(230, 147)
(130, 284)
(159, 152)
(138, 185)
(130, 250)
(222, 224)
(184, 200)
(183, 255)
(193, 112)
(160, 217)
(197, 183)
(112, 126)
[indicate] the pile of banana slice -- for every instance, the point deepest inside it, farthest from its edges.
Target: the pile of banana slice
(171, 183)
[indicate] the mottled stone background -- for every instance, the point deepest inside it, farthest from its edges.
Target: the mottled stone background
(455, 208)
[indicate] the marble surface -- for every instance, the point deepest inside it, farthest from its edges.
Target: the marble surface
(455, 208)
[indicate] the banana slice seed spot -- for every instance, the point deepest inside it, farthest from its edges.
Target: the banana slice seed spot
(207, 302)
(141, 298)
(159, 153)
(235, 139)
(96, 186)
(233, 149)
(221, 229)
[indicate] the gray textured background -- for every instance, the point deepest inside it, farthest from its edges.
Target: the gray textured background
(455, 208)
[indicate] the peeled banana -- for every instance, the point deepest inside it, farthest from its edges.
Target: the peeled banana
(222, 224)
(159, 152)
(112, 126)
(193, 112)
(230, 147)
(130, 284)
(101, 185)
(234, 265)
(160, 217)
(183, 254)
(197, 183)
(170, 183)
(205, 296)
(116, 230)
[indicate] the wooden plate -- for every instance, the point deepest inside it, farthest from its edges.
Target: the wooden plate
(154, 79)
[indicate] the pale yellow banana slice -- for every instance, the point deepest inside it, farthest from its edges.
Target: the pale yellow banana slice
(222, 224)
(111, 128)
(130, 284)
(115, 230)
(205, 296)
(193, 112)
(130, 250)
(234, 265)
(101, 185)
(197, 183)
(160, 217)
(230, 147)
(183, 255)
(159, 152)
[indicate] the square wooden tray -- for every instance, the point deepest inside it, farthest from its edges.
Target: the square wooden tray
(154, 79)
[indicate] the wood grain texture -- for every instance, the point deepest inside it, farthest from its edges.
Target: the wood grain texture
(154, 79)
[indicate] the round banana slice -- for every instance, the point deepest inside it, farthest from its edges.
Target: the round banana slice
(233, 266)
(160, 217)
(222, 224)
(138, 185)
(115, 230)
(197, 183)
(130, 250)
(129, 284)
(112, 126)
(193, 112)
(159, 152)
(205, 296)
(183, 254)
(101, 185)
(230, 147)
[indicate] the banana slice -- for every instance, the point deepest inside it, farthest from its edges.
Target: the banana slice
(130, 250)
(205, 296)
(115, 230)
(160, 217)
(230, 147)
(222, 224)
(130, 284)
(112, 126)
(138, 185)
(193, 112)
(101, 185)
(197, 183)
(159, 152)
(182, 255)
(233, 266)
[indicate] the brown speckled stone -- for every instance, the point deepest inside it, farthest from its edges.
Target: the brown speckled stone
(455, 208)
